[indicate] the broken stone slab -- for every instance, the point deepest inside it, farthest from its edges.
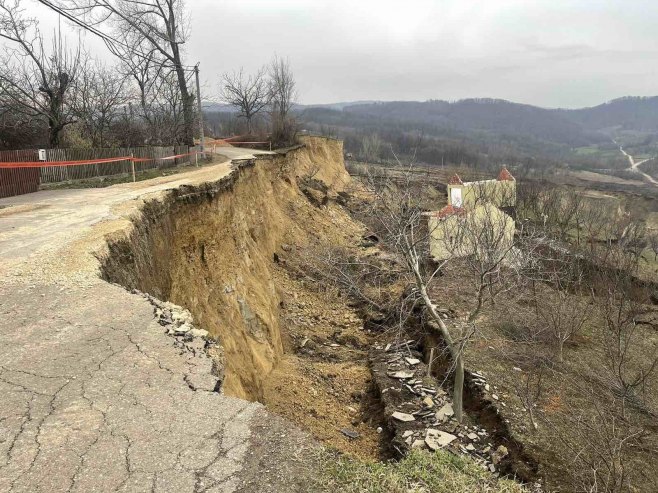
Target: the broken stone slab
(201, 333)
(182, 329)
(418, 444)
(404, 417)
(423, 413)
(412, 361)
(445, 412)
(428, 402)
(410, 389)
(183, 316)
(350, 433)
(436, 439)
(472, 436)
(402, 374)
(407, 434)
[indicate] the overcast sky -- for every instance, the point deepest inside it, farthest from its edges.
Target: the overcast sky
(544, 52)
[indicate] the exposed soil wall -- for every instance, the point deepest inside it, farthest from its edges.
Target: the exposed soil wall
(210, 249)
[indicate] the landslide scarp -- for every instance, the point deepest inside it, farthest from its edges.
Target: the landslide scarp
(221, 250)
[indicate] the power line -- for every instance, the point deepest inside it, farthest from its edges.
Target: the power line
(110, 42)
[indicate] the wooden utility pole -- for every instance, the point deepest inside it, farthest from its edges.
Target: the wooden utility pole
(202, 138)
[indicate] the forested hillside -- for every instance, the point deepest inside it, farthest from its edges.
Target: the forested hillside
(629, 113)
(488, 132)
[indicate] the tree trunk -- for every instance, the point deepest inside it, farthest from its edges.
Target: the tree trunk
(455, 352)
(53, 135)
(458, 391)
(188, 107)
(478, 307)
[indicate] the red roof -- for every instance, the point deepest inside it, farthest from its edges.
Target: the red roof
(455, 180)
(449, 210)
(505, 175)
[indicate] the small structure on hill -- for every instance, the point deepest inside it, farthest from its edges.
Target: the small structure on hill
(479, 214)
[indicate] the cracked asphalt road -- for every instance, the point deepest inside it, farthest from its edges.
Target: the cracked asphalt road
(94, 397)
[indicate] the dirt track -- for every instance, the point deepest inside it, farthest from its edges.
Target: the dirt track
(95, 396)
(635, 166)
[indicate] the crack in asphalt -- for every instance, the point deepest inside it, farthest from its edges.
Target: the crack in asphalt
(115, 404)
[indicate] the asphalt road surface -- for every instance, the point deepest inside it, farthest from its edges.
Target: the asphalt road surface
(94, 396)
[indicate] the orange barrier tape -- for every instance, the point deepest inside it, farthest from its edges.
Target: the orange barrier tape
(48, 164)
(143, 159)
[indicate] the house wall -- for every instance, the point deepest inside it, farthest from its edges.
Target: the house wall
(498, 193)
(455, 235)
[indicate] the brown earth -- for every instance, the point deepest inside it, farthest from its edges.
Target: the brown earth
(323, 379)
(221, 252)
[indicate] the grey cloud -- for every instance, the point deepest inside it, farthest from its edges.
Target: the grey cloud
(546, 52)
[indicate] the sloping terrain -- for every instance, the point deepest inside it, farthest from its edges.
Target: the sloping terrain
(223, 253)
(96, 396)
(135, 389)
(211, 251)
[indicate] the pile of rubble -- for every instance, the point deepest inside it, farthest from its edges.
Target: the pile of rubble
(177, 320)
(204, 357)
(420, 412)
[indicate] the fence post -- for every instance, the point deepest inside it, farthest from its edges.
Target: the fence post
(196, 158)
(429, 364)
(132, 165)
(270, 146)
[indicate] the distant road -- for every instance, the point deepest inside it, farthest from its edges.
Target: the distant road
(635, 165)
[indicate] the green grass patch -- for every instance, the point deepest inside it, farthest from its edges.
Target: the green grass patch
(419, 472)
(586, 151)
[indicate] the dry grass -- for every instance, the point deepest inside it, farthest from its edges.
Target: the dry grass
(419, 472)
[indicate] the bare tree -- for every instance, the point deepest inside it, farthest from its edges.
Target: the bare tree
(167, 110)
(483, 239)
(652, 239)
(629, 362)
(248, 93)
(160, 108)
(159, 27)
(282, 97)
(562, 304)
(633, 238)
(396, 218)
(35, 82)
(528, 388)
(371, 148)
(493, 254)
(597, 444)
(101, 94)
